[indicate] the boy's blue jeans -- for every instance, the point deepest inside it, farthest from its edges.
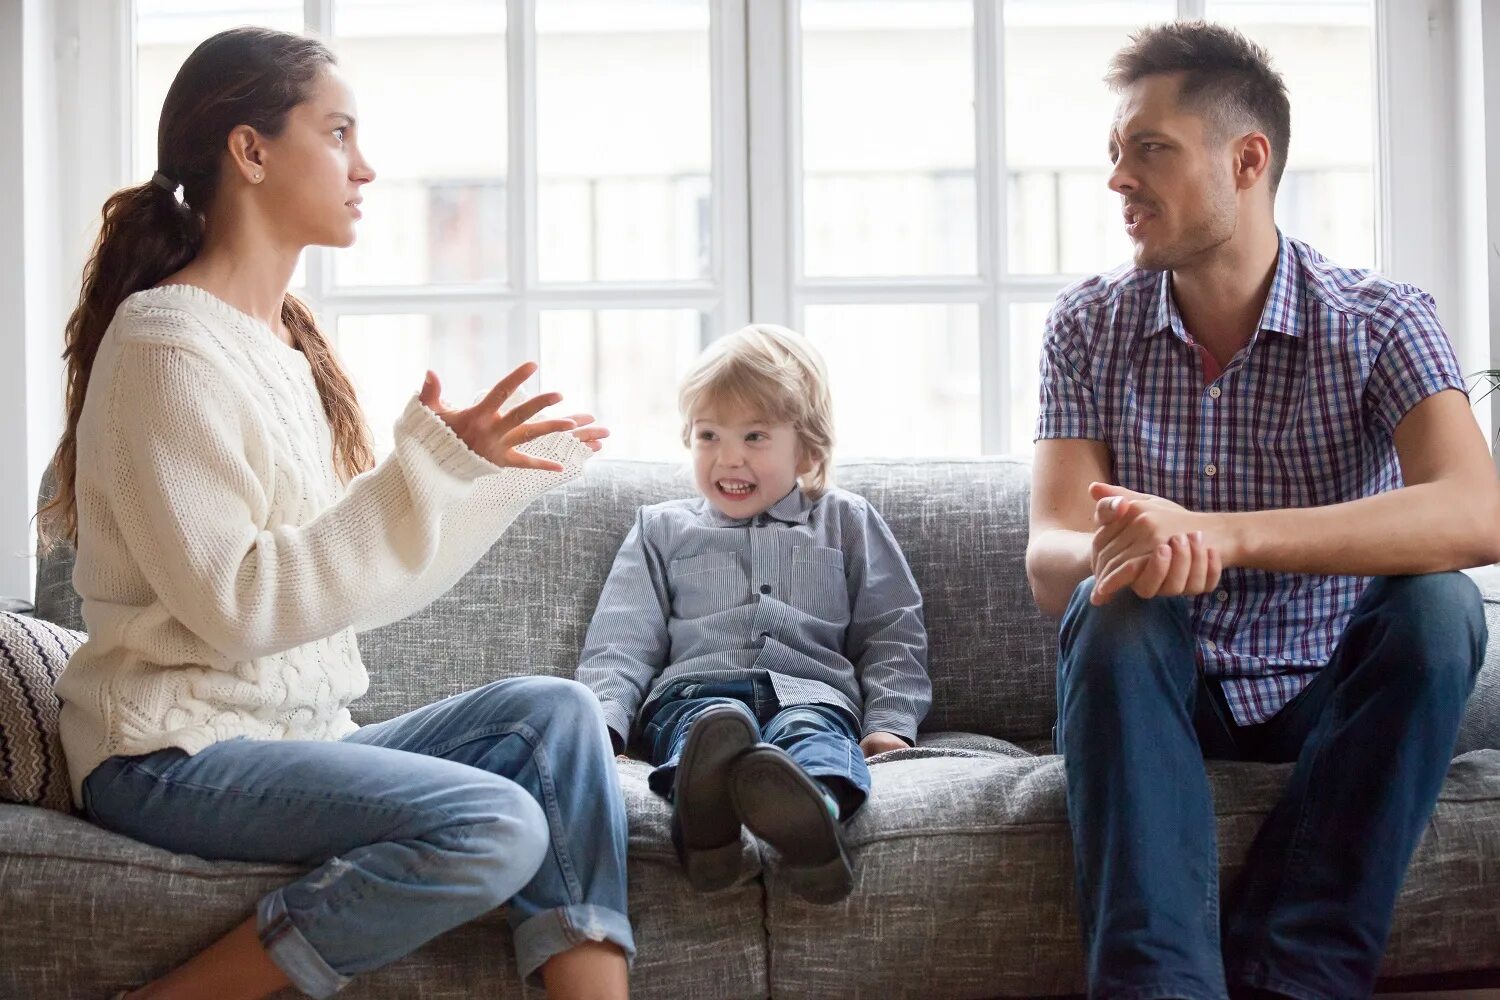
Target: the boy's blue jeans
(822, 739)
(1371, 736)
(507, 793)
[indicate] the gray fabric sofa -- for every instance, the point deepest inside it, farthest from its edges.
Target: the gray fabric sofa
(962, 861)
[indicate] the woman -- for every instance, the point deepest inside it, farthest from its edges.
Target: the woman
(234, 534)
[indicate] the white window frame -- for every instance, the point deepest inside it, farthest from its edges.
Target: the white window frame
(1425, 51)
(781, 293)
(756, 192)
(521, 297)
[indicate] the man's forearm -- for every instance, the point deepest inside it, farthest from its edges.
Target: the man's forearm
(1426, 528)
(1057, 561)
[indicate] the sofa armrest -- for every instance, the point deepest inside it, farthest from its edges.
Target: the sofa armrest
(1481, 725)
(17, 606)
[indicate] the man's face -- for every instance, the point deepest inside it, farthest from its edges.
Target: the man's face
(1175, 178)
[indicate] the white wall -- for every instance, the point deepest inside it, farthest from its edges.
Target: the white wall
(55, 172)
(1476, 164)
(1480, 83)
(26, 273)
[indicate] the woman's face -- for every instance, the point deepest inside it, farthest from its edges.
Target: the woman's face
(314, 169)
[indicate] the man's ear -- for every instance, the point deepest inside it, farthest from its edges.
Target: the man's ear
(1252, 160)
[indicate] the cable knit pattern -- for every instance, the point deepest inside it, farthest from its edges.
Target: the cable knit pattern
(223, 566)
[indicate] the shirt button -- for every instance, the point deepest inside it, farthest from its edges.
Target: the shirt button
(1221, 596)
(765, 588)
(1210, 469)
(1211, 645)
(1215, 392)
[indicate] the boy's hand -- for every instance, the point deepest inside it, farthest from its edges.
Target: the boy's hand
(881, 742)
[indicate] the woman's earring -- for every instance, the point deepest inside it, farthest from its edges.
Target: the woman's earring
(257, 176)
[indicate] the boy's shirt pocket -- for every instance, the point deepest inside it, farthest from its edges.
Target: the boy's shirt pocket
(706, 584)
(819, 587)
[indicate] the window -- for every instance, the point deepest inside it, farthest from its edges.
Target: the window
(605, 185)
(553, 190)
(1325, 50)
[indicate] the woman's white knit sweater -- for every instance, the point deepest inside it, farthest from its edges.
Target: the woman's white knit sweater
(224, 567)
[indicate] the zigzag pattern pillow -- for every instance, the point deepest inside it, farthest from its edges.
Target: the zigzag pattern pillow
(32, 656)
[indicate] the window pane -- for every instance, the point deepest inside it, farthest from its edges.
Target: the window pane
(1028, 324)
(905, 379)
(1324, 50)
(624, 367)
(429, 82)
(624, 140)
(888, 137)
(1062, 217)
(387, 356)
(166, 31)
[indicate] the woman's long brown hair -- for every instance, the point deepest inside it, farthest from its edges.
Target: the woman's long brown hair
(245, 76)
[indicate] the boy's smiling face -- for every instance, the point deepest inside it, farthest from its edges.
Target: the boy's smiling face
(742, 462)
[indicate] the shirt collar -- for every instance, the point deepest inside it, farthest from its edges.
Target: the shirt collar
(794, 508)
(1281, 312)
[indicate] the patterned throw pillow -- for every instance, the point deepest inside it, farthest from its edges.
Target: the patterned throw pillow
(32, 656)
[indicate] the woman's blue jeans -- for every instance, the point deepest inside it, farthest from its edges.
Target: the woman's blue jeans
(507, 793)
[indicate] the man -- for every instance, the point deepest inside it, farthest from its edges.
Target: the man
(1255, 474)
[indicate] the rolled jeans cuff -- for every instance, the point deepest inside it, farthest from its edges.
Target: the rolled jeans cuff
(292, 952)
(553, 932)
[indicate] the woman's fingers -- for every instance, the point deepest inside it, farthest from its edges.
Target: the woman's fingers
(520, 460)
(523, 412)
(506, 387)
(431, 395)
(530, 432)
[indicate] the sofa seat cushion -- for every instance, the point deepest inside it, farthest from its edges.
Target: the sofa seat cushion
(964, 880)
(87, 912)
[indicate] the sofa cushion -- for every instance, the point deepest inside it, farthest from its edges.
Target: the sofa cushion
(964, 881)
(88, 911)
(32, 656)
(525, 607)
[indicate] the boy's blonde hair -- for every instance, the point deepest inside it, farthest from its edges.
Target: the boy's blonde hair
(777, 374)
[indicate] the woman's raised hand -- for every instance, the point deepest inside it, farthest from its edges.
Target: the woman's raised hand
(496, 434)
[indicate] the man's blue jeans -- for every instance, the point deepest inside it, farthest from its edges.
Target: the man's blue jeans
(1371, 736)
(822, 739)
(507, 793)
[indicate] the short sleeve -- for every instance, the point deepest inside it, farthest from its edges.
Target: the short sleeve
(1067, 392)
(1413, 358)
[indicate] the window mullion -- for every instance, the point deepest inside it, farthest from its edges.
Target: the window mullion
(991, 190)
(730, 173)
(771, 95)
(521, 186)
(317, 16)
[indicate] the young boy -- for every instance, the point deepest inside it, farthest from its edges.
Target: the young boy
(770, 625)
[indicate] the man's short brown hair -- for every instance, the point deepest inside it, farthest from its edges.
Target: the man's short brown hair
(1226, 77)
